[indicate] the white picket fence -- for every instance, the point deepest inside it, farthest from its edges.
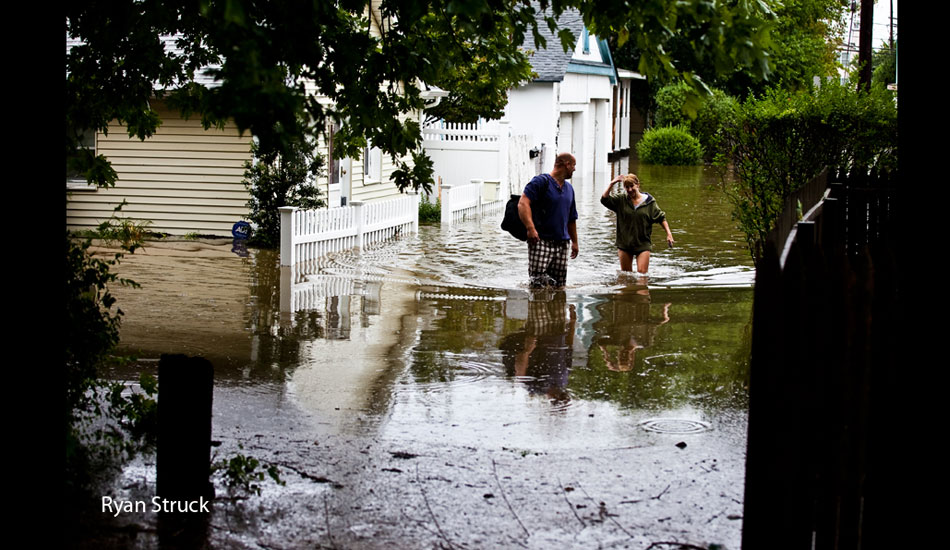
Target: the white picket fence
(474, 199)
(309, 234)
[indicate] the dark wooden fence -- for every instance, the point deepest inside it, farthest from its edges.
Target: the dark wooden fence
(822, 366)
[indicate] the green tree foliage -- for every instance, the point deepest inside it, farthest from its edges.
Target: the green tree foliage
(805, 40)
(267, 56)
(671, 105)
(276, 179)
(884, 66)
(800, 43)
(783, 139)
(671, 146)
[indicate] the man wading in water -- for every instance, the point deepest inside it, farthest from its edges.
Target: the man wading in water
(549, 213)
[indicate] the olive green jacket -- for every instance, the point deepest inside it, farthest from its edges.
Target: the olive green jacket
(634, 224)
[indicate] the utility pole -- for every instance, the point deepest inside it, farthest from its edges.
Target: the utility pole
(890, 26)
(864, 44)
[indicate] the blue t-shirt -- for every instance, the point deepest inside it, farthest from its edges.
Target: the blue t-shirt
(552, 207)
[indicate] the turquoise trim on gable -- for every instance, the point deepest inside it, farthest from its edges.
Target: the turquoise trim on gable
(583, 68)
(605, 54)
(585, 41)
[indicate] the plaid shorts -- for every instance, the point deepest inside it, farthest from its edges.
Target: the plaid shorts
(547, 263)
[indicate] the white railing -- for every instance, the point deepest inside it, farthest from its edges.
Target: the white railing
(474, 199)
(309, 234)
(487, 132)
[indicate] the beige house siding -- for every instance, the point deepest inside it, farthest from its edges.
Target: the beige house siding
(367, 190)
(184, 179)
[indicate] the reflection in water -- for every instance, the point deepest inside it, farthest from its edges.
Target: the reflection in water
(541, 354)
(628, 327)
(436, 337)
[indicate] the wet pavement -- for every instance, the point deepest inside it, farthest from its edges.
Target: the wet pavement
(417, 395)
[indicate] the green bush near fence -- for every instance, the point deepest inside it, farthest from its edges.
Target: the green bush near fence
(672, 146)
(717, 111)
(708, 116)
(429, 212)
(782, 139)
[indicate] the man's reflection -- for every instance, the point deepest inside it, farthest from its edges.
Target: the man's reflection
(541, 353)
(626, 326)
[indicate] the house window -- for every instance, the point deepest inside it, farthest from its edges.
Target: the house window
(372, 164)
(75, 179)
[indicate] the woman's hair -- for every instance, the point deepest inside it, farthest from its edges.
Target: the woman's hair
(631, 178)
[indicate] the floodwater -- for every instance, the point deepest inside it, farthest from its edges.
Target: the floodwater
(435, 341)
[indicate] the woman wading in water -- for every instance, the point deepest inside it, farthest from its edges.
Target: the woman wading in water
(636, 214)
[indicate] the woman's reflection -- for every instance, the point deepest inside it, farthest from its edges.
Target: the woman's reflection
(626, 326)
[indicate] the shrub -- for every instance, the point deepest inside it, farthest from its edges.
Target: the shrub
(783, 139)
(672, 145)
(719, 110)
(704, 118)
(429, 212)
(671, 105)
(281, 179)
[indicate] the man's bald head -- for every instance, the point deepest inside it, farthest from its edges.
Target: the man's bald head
(564, 165)
(563, 158)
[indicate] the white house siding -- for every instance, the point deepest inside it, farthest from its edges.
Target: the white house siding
(585, 99)
(365, 189)
(533, 111)
(184, 179)
(573, 116)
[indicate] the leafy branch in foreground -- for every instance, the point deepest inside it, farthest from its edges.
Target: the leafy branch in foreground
(246, 473)
(102, 420)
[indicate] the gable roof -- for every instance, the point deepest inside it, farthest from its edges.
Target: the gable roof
(552, 62)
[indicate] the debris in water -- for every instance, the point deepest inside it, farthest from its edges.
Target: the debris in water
(403, 455)
(681, 444)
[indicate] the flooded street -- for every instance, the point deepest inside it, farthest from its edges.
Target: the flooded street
(420, 376)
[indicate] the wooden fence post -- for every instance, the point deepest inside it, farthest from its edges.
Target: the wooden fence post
(183, 455)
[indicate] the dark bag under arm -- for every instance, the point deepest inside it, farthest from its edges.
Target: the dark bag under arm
(512, 221)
